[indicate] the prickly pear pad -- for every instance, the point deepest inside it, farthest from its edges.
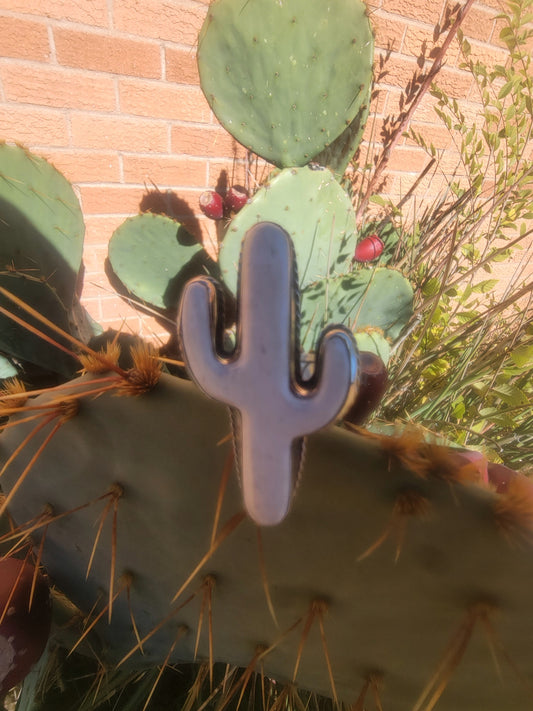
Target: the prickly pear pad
(151, 255)
(285, 77)
(392, 619)
(41, 230)
(313, 209)
(377, 298)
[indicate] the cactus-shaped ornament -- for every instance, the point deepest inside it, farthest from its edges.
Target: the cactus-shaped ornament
(274, 408)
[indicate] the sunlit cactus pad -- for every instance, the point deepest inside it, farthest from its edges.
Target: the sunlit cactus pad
(313, 209)
(377, 298)
(153, 256)
(285, 80)
(458, 593)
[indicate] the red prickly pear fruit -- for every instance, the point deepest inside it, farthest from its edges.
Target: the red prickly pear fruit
(212, 205)
(236, 198)
(372, 385)
(24, 628)
(368, 249)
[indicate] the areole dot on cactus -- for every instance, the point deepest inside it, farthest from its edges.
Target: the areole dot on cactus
(285, 81)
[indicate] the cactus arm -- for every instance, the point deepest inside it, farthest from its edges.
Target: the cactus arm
(337, 379)
(197, 324)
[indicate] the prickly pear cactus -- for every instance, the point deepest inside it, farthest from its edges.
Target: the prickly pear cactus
(396, 575)
(283, 78)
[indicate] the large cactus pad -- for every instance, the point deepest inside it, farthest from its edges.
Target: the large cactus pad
(286, 78)
(344, 612)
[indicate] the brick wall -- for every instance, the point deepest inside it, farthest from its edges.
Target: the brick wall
(108, 91)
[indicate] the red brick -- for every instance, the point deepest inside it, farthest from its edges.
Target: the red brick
(118, 133)
(407, 160)
(150, 98)
(51, 86)
(388, 31)
(373, 131)
(425, 111)
(101, 199)
(399, 71)
(164, 170)
(117, 314)
(34, 127)
(454, 82)
(94, 308)
(418, 41)
(181, 66)
(106, 53)
(478, 23)
(422, 10)
(177, 21)
(434, 134)
(90, 12)
(209, 142)
(24, 39)
(124, 199)
(233, 173)
(487, 54)
(378, 102)
(85, 166)
(98, 231)
(495, 4)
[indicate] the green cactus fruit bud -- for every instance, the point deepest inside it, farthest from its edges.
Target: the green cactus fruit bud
(153, 256)
(346, 610)
(19, 342)
(286, 78)
(313, 209)
(378, 298)
(41, 230)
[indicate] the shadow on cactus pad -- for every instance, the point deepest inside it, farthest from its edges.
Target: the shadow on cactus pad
(396, 570)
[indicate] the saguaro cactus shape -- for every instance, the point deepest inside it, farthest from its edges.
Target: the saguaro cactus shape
(275, 409)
